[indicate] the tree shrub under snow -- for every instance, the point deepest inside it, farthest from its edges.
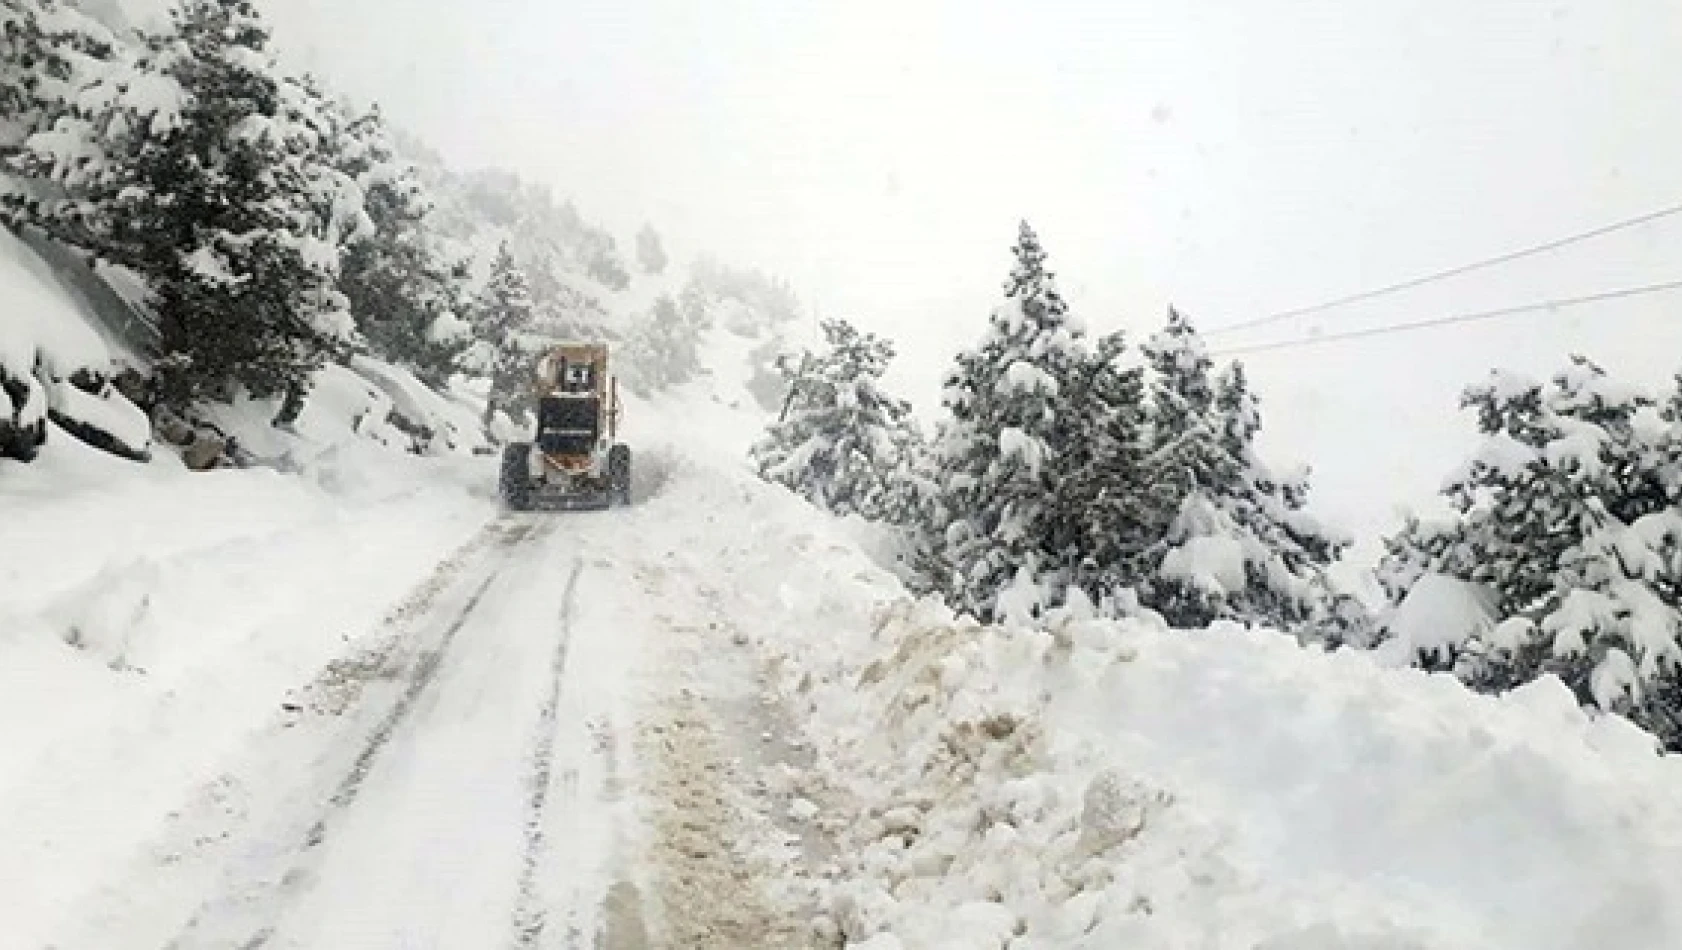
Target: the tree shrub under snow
(502, 318)
(1238, 543)
(1567, 519)
(197, 165)
(1002, 454)
(845, 444)
(1069, 473)
(663, 348)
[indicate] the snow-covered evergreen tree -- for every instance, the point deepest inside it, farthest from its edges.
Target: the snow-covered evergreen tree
(406, 292)
(198, 168)
(566, 260)
(503, 349)
(1005, 450)
(845, 444)
(48, 50)
(1236, 541)
(1568, 514)
(762, 301)
(1102, 527)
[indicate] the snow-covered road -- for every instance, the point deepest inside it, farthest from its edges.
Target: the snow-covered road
(415, 792)
(538, 745)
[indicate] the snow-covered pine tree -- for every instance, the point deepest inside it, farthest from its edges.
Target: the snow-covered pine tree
(48, 50)
(1186, 463)
(1568, 514)
(197, 169)
(1004, 451)
(1101, 528)
(1236, 541)
(1340, 619)
(502, 349)
(845, 444)
(405, 291)
(651, 251)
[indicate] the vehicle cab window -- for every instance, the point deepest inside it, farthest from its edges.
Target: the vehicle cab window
(577, 378)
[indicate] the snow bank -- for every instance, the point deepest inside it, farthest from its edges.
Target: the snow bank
(436, 422)
(104, 419)
(44, 340)
(1102, 784)
(354, 414)
(151, 618)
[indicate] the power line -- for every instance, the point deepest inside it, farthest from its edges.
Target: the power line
(1432, 278)
(1456, 318)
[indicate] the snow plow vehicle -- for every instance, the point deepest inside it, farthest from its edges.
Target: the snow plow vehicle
(574, 460)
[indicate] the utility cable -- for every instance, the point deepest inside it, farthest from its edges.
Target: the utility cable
(1555, 304)
(1441, 275)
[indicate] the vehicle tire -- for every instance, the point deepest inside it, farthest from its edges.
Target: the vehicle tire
(619, 474)
(514, 483)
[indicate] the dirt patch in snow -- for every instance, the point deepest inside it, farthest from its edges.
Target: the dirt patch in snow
(711, 894)
(625, 929)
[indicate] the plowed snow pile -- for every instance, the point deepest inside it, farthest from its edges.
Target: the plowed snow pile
(1100, 784)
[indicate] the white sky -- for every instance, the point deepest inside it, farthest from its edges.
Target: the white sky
(1236, 156)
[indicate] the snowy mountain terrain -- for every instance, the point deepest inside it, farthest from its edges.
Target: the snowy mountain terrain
(352, 704)
(285, 663)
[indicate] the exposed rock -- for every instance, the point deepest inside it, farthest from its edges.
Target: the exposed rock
(206, 452)
(88, 407)
(171, 428)
(135, 387)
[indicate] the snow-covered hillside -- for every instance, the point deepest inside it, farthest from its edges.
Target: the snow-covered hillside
(351, 704)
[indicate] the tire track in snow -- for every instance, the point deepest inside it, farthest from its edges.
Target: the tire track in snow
(530, 916)
(265, 891)
(426, 670)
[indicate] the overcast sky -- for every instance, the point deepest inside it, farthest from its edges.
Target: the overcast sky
(1235, 156)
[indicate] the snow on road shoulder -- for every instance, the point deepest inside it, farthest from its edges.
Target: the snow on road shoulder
(721, 564)
(150, 618)
(1101, 784)
(1094, 784)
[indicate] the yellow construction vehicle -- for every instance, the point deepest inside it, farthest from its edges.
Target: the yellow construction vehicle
(574, 459)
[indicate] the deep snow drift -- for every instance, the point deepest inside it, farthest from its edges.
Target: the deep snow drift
(1088, 783)
(1095, 784)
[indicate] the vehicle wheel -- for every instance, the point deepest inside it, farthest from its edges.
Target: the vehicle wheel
(514, 484)
(619, 474)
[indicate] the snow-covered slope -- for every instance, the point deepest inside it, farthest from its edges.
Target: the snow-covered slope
(1098, 784)
(1093, 784)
